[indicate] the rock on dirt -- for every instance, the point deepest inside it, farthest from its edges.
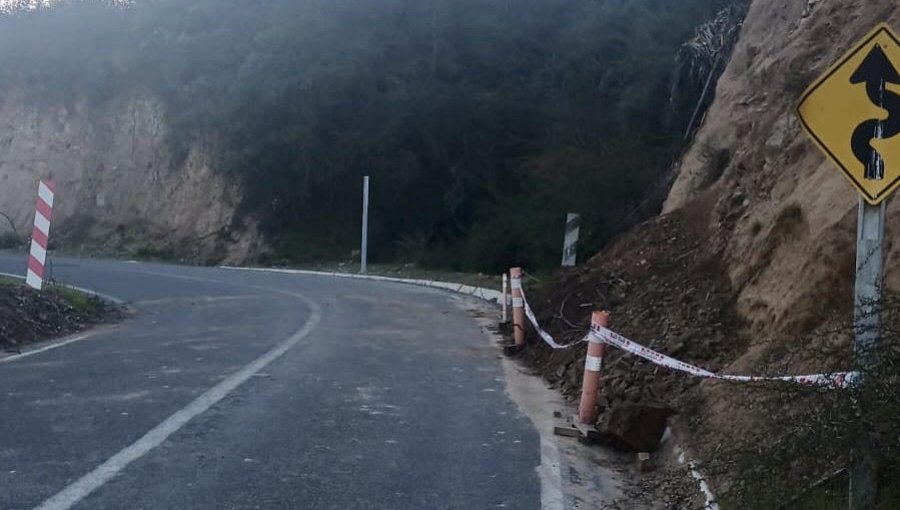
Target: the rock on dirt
(635, 427)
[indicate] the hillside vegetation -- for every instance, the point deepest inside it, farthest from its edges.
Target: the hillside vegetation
(482, 122)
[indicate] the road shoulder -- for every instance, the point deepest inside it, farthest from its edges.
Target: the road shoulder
(572, 475)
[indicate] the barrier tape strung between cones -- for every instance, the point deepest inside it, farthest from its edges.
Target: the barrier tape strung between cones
(543, 334)
(600, 334)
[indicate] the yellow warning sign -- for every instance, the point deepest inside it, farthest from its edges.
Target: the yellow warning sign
(853, 114)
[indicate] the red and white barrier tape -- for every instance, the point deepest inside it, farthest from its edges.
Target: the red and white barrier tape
(548, 339)
(40, 235)
(600, 334)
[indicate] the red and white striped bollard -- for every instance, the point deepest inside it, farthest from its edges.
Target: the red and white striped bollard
(593, 363)
(40, 235)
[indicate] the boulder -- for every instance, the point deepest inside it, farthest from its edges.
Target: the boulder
(635, 427)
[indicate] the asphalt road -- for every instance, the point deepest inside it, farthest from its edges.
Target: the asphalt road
(241, 390)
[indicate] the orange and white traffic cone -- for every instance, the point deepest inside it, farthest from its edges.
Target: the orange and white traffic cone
(518, 305)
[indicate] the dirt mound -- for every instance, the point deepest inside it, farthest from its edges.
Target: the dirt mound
(27, 316)
(665, 288)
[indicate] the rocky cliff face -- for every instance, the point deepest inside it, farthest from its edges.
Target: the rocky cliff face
(785, 217)
(118, 190)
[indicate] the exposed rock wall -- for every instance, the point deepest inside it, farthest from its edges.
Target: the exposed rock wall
(118, 190)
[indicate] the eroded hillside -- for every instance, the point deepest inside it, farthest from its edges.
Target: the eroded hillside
(749, 270)
(785, 216)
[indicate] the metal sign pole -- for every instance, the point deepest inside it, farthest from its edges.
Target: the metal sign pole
(364, 252)
(867, 323)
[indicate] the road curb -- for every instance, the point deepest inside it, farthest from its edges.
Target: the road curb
(89, 292)
(490, 295)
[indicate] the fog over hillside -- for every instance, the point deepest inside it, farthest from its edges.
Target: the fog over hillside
(481, 122)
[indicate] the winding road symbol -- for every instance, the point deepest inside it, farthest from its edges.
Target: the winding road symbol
(876, 72)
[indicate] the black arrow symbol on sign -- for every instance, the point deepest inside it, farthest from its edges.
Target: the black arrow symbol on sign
(876, 71)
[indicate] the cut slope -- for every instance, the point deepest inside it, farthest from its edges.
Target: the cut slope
(785, 214)
(117, 190)
(752, 262)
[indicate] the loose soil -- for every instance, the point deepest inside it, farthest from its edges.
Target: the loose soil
(665, 287)
(28, 316)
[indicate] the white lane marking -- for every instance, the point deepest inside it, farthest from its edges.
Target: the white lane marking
(70, 340)
(84, 486)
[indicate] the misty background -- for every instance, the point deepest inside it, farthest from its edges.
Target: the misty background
(481, 122)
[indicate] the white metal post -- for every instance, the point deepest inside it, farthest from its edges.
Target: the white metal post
(570, 244)
(364, 252)
(867, 324)
(505, 300)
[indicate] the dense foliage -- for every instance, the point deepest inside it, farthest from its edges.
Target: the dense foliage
(481, 122)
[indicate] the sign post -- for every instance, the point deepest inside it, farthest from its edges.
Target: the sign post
(570, 244)
(853, 114)
(867, 329)
(364, 250)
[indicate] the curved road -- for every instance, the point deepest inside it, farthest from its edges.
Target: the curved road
(242, 390)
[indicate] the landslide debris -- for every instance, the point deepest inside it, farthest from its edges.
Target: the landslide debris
(749, 270)
(665, 288)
